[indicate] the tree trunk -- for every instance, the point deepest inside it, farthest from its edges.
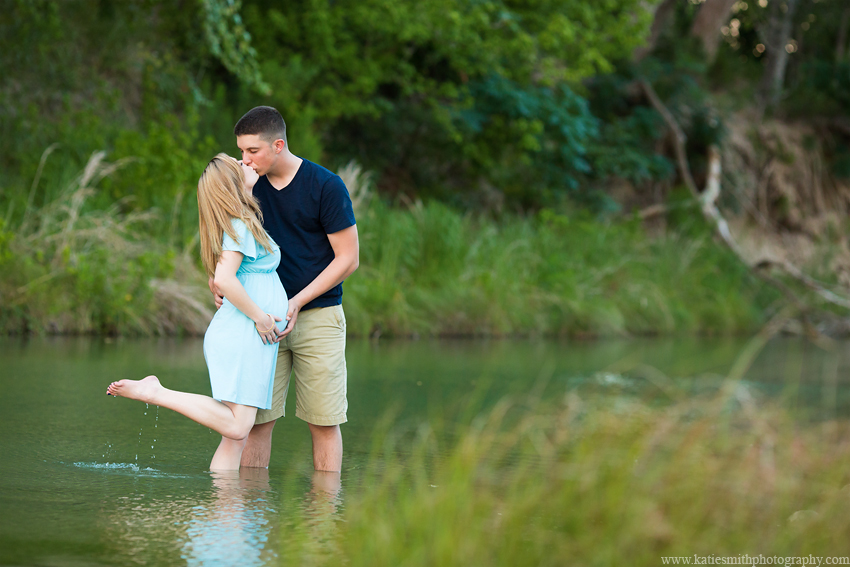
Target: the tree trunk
(842, 36)
(662, 14)
(711, 17)
(778, 33)
(712, 214)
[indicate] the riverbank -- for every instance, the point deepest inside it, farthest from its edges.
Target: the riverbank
(425, 270)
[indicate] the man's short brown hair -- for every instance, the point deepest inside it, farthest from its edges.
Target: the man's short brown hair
(263, 121)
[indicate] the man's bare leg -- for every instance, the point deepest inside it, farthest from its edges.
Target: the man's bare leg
(327, 447)
(321, 502)
(326, 482)
(258, 449)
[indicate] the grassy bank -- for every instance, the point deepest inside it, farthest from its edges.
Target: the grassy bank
(72, 267)
(597, 480)
(427, 269)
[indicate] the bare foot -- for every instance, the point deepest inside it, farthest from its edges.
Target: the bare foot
(144, 390)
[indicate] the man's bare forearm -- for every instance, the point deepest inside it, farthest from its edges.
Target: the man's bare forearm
(337, 271)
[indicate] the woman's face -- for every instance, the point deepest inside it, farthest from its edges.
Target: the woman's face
(250, 176)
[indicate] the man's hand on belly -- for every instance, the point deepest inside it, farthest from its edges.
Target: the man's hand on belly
(219, 298)
(291, 316)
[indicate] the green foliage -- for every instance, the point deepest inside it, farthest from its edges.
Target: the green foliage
(6, 238)
(365, 56)
(163, 163)
(624, 149)
(822, 85)
(627, 146)
(841, 161)
(543, 130)
(469, 96)
(94, 78)
(426, 269)
(230, 41)
(71, 269)
(441, 97)
(430, 270)
(631, 143)
(489, 105)
(594, 481)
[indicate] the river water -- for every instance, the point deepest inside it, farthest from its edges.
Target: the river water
(86, 479)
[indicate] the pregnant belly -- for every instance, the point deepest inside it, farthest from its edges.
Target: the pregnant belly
(267, 292)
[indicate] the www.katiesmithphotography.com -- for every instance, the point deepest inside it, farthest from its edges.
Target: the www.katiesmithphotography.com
(744, 559)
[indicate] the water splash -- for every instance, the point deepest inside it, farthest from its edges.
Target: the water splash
(155, 425)
(612, 379)
(109, 466)
(138, 443)
(129, 468)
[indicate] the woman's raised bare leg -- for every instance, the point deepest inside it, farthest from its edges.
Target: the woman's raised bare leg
(233, 421)
(228, 456)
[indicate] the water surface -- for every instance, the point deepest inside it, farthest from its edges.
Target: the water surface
(86, 479)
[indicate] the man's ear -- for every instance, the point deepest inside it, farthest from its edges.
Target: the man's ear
(279, 145)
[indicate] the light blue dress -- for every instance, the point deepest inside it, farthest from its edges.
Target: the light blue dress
(241, 366)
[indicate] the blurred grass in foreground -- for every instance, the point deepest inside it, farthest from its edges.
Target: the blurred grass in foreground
(425, 269)
(597, 480)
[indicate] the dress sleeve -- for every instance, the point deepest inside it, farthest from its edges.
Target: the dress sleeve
(246, 244)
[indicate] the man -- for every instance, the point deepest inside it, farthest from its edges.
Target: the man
(307, 211)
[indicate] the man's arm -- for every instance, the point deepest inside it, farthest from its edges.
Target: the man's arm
(217, 294)
(346, 247)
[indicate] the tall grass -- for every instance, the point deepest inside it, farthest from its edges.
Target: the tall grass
(428, 269)
(599, 480)
(69, 267)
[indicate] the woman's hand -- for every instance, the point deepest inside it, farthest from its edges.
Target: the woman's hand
(226, 281)
(267, 328)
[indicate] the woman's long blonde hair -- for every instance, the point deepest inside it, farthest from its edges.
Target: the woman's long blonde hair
(221, 198)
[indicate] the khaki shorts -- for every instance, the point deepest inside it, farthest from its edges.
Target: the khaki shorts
(312, 356)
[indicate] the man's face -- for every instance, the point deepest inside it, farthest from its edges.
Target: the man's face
(257, 153)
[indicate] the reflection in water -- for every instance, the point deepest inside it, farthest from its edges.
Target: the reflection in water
(233, 528)
(209, 519)
(220, 518)
(320, 507)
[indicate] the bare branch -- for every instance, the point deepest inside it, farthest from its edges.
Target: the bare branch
(712, 214)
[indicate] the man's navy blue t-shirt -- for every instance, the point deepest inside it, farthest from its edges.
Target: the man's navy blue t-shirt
(298, 218)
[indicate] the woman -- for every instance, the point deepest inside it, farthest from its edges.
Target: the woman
(239, 345)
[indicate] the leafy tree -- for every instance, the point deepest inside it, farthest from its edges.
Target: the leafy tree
(444, 96)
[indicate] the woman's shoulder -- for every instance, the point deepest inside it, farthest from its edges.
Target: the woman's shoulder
(244, 241)
(247, 237)
(239, 225)
(243, 230)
